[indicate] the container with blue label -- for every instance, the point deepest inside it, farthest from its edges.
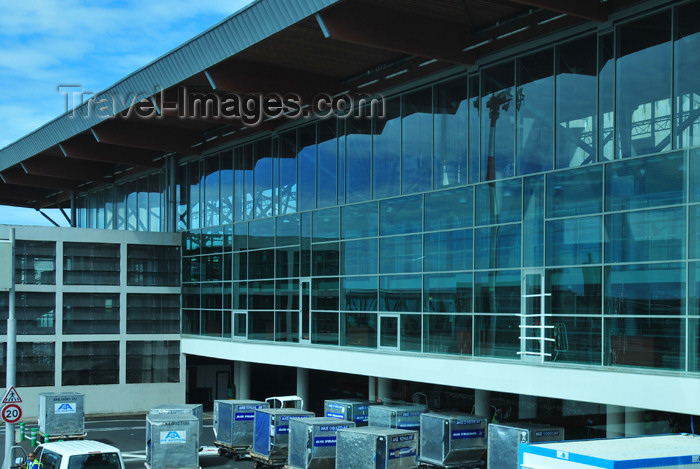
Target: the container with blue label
(354, 410)
(62, 415)
(233, 423)
(172, 441)
(452, 439)
(271, 433)
(680, 451)
(503, 441)
(377, 448)
(401, 416)
(312, 442)
(178, 409)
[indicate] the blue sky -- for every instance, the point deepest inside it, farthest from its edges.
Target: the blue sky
(47, 43)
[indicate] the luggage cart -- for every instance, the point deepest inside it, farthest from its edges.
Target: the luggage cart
(233, 426)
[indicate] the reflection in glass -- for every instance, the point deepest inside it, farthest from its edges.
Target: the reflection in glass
(326, 225)
(400, 254)
(499, 202)
(533, 221)
(324, 328)
(576, 103)
(535, 110)
(358, 330)
(401, 215)
(497, 122)
(261, 325)
(643, 107)
(497, 336)
(326, 192)
(447, 334)
(448, 250)
(261, 295)
(288, 230)
(417, 141)
(645, 289)
(606, 97)
(687, 81)
(410, 333)
(574, 290)
(386, 149)
(388, 331)
(575, 192)
(694, 344)
(286, 326)
(358, 155)
(497, 247)
(449, 209)
(210, 189)
(497, 292)
(261, 233)
(306, 173)
(574, 241)
(326, 259)
(243, 183)
(694, 195)
(360, 221)
(286, 190)
(576, 340)
(474, 129)
(400, 293)
(448, 293)
(645, 342)
(226, 200)
(262, 179)
(450, 121)
(324, 294)
(359, 294)
(647, 235)
(359, 257)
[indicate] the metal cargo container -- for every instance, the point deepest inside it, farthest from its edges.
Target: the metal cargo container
(62, 414)
(503, 441)
(452, 439)
(172, 441)
(233, 422)
(404, 417)
(181, 409)
(354, 410)
(271, 433)
(377, 448)
(312, 442)
(661, 451)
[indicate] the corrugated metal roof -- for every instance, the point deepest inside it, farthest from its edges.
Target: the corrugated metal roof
(241, 30)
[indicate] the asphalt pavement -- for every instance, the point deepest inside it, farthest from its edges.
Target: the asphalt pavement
(128, 433)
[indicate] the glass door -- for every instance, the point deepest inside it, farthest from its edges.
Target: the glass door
(305, 310)
(389, 331)
(535, 331)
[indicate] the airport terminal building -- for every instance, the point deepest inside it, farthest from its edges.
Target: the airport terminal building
(492, 205)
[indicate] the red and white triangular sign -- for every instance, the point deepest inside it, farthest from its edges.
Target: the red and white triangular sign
(11, 396)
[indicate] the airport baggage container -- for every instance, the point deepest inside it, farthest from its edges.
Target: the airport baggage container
(403, 416)
(452, 439)
(354, 410)
(234, 422)
(179, 409)
(172, 441)
(661, 451)
(62, 414)
(503, 441)
(271, 434)
(312, 442)
(376, 448)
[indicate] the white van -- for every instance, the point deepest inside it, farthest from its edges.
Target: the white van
(79, 454)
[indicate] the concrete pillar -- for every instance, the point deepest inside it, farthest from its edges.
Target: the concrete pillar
(482, 404)
(615, 421)
(634, 421)
(384, 388)
(303, 385)
(242, 374)
(527, 407)
(372, 388)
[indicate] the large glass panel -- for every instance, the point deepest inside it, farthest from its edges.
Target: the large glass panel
(212, 268)
(305, 256)
(645, 182)
(449, 209)
(410, 333)
(359, 257)
(401, 216)
(447, 334)
(142, 201)
(533, 221)
(358, 160)
(694, 244)
(400, 254)
(324, 328)
(287, 295)
(306, 173)
(261, 234)
(575, 192)
(386, 145)
(645, 342)
(190, 322)
(647, 235)
(36, 364)
(191, 271)
(448, 250)
(360, 221)
(359, 293)
(152, 314)
(686, 80)
(535, 109)
(694, 289)
(574, 290)
(226, 202)
(261, 295)
(287, 185)
(261, 325)
(576, 340)
(240, 295)
(324, 294)
(497, 247)
(497, 336)
(90, 264)
(694, 195)
(327, 189)
(358, 330)
(287, 262)
(645, 289)
(694, 344)
(497, 292)
(417, 141)
(243, 183)
(262, 179)
(190, 296)
(212, 298)
(183, 197)
(36, 313)
(497, 122)
(211, 185)
(326, 259)
(153, 266)
(474, 129)
(90, 363)
(574, 241)
(288, 230)
(400, 293)
(120, 206)
(643, 107)
(499, 202)
(155, 204)
(35, 262)
(606, 97)
(448, 293)
(450, 109)
(153, 362)
(261, 264)
(91, 313)
(132, 196)
(576, 103)
(326, 225)
(212, 240)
